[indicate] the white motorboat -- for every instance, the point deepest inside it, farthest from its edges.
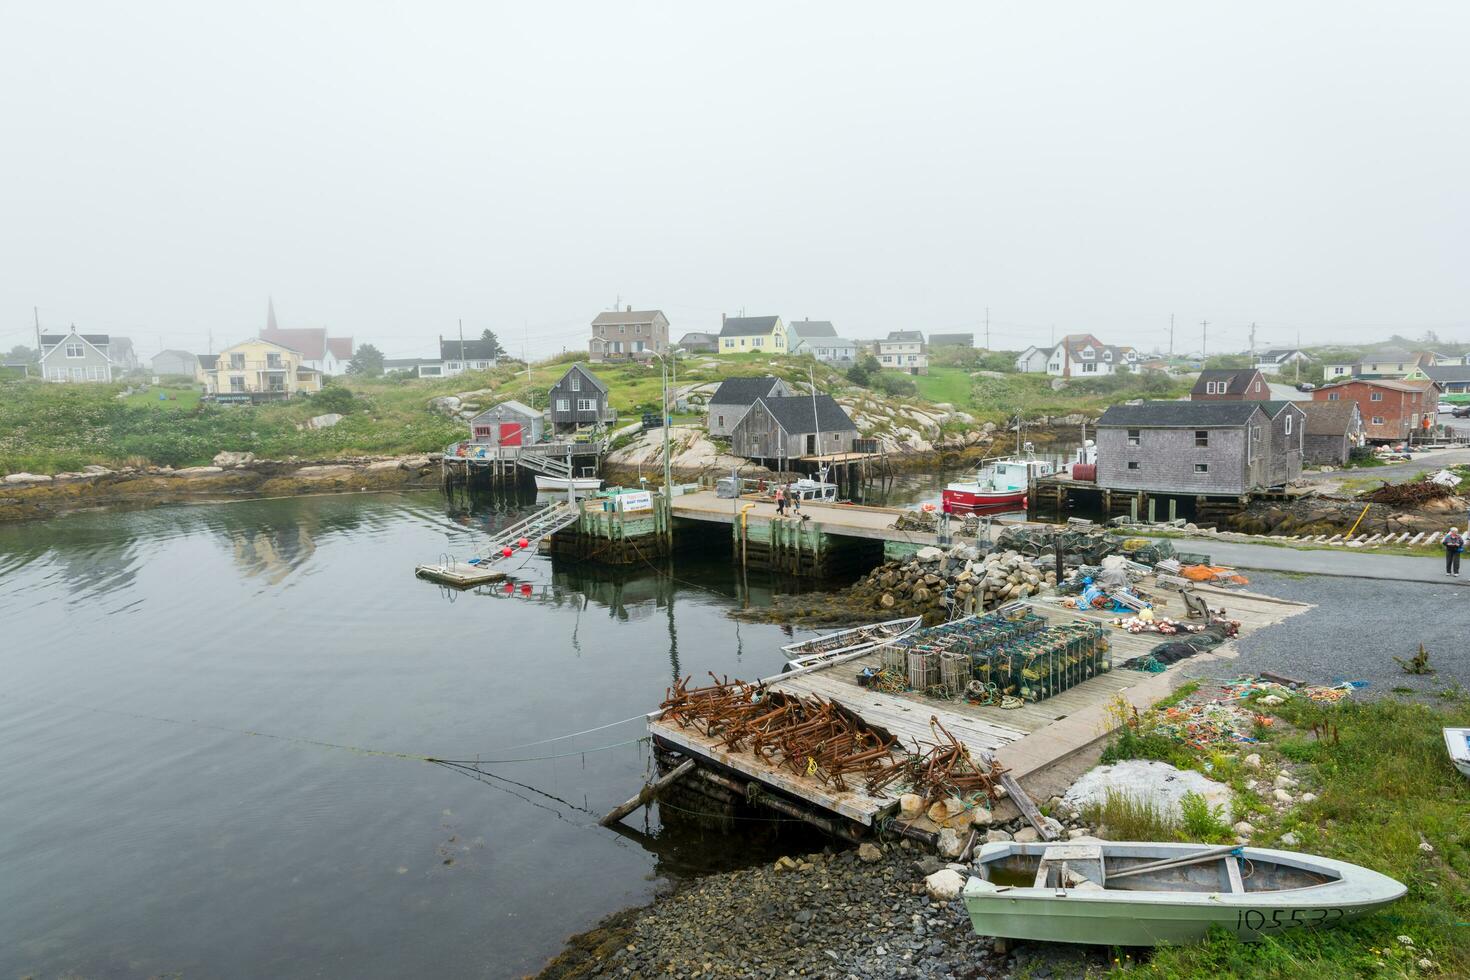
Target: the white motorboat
(830, 646)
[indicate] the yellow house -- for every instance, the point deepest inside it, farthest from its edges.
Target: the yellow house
(259, 367)
(744, 334)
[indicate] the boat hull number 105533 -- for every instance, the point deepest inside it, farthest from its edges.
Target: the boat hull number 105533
(1262, 920)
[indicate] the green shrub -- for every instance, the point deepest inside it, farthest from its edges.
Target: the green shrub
(1202, 822)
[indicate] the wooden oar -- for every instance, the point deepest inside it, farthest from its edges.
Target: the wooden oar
(1180, 862)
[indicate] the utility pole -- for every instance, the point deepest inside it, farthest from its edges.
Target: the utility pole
(462, 365)
(36, 312)
(1171, 335)
(1204, 346)
(987, 329)
(1253, 341)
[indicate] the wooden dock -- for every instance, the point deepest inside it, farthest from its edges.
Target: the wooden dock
(460, 574)
(1027, 740)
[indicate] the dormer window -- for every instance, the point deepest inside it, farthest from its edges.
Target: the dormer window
(1087, 352)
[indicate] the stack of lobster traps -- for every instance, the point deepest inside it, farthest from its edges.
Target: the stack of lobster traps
(1011, 652)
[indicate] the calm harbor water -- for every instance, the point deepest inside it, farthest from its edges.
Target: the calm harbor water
(194, 698)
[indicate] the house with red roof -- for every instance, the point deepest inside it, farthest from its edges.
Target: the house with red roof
(319, 351)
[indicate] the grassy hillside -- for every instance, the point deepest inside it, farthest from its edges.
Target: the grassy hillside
(51, 428)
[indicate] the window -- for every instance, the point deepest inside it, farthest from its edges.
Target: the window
(1089, 368)
(563, 405)
(1332, 396)
(1201, 438)
(720, 421)
(729, 344)
(455, 365)
(575, 382)
(622, 328)
(1378, 420)
(1133, 464)
(237, 362)
(1377, 396)
(1202, 467)
(758, 342)
(273, 360)
(77, 374)
(74, 350)
(1288, 424)
(237, 382)
(1258, 386)
(586, 405)
(1134, 436)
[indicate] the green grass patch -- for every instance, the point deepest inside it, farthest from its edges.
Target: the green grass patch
(944, 384)
(1384, 786)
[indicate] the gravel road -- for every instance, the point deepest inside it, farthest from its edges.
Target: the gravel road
(1357, 628)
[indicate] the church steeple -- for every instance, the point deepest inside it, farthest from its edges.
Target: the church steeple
(270, 313)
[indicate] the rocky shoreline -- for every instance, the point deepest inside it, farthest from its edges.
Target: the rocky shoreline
(867, 912)
(28, 496)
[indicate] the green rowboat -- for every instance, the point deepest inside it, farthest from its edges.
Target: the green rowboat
(1090, 892)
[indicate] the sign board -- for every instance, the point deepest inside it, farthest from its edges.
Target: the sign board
(635, 501)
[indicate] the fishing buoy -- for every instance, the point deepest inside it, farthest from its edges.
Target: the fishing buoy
(509, 587)
(526, 588)
(929, 508)
(523, 543)
(506, 552)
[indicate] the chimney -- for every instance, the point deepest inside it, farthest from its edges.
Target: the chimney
(630, 307)
(722, 320)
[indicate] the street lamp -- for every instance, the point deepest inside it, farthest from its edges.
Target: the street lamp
(664, 367)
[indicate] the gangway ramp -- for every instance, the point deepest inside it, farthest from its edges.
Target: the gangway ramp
(449, 570)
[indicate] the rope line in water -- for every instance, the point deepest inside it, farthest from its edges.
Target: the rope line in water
(360, 750)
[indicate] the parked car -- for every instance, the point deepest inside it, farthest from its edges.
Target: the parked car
(1446, 408)
(1462, 411)
(1306, 386)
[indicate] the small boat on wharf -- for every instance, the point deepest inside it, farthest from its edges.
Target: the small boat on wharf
(1457, 742)
(1117, 893)
(858, 639)
(563, 483)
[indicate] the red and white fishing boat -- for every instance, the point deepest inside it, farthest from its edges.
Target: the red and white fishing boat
(1002, 483)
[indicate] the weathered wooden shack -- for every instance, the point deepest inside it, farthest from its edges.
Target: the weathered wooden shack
(579, 399)
(1199, 448)
(790, 427)
(733, 398)
(510, 423)
(1334, 429)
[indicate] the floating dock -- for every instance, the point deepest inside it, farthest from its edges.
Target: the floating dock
(460, 574)
(1027, 740)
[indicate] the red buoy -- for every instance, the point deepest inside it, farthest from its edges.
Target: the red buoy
(509, 587)
(523, 543)
(506, 552)
(526, 588)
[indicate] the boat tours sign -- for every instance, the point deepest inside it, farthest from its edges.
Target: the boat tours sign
(634, 501)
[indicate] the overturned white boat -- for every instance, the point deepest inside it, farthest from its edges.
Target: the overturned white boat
(1147, 894)
(1457, 741)
(859, 639)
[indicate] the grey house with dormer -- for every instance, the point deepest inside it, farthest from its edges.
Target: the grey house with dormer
(76, 357)
(579, 399)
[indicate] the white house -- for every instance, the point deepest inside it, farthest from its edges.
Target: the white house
(1282, 359)
(903, 350)
(1033, 360)
(1083, 355)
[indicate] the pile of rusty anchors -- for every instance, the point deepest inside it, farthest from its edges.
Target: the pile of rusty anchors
(810, 736)
(943, 770)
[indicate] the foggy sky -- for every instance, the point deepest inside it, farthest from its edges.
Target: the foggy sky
(383, 170)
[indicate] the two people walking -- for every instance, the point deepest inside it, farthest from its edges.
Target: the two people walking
(1454, 543)
(787, 498)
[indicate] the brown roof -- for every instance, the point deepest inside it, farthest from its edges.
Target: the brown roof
(1237, 380)
(309, 342)
(625, 316)
(1392, 384)
(1328, 418)
(341, 347)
